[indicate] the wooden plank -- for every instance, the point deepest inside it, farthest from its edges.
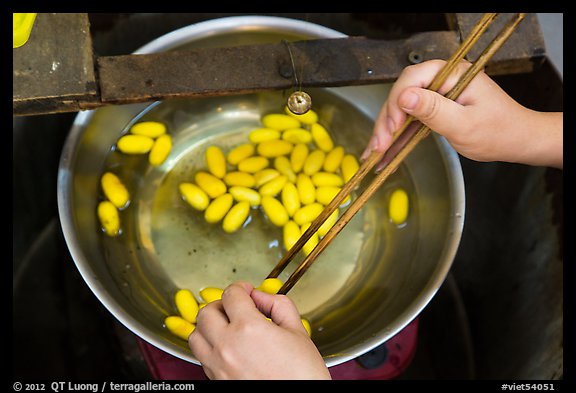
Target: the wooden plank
(54, 70)
(253, 68)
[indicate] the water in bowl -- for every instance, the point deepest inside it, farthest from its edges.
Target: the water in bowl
(166, 245)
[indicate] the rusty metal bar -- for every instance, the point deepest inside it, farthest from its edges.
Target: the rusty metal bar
(62, 75)
(253, 68)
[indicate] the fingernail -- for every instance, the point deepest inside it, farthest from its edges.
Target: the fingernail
(409, 101)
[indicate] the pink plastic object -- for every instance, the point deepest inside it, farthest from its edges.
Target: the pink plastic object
(400, 351)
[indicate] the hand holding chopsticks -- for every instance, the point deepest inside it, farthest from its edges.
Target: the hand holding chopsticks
(403, 144)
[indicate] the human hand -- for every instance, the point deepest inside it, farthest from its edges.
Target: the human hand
(483, 124)
(234, 340)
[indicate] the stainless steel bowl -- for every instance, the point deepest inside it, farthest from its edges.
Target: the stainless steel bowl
(389, 280)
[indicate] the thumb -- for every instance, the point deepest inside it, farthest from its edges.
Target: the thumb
(280, 308)
(436, 111)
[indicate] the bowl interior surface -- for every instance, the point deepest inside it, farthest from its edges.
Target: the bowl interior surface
(372, 280)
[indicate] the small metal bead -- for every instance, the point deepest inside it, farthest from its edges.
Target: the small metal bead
(299, 102)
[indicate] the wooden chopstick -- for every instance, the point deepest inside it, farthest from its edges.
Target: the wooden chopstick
(407, 147)
(376, 157)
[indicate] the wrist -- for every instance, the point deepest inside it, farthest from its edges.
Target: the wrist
(542, 139)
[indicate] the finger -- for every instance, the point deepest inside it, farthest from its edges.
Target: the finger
(418, 75)
(203, 352)
(439, 113)
(212, 321)
(199, 346)
(421, 75)
(395, 149)
(383, 133)
(372, 146)
(381, 139)
(454, 77)
(237, 302)
(280, 308)
(391, 116)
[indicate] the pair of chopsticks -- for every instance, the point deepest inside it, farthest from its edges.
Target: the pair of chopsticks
(407, 144)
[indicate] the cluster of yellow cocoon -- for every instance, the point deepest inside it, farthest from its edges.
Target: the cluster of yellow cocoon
(183, 324)
(290, 168)
(147, 137)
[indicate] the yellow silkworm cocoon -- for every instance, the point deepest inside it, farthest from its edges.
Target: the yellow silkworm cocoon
(307, 326)
(151, 129)
(309, 117)
(179, 327)
(349, 167)
(275, 148)
(275, 211)
(279, 121)
(186, 305)
(274, 186)
(114, 190)
(398, 206)
(297, 135)
(329, 223)
(211, 185)
(240, 152)
(245, 194)
(298, 157)
(306, 189)
(236, 217)
(290, 198)
(333, 159)
(216, 161)
(321, 137)
(211, 294)
(271, 285)
(264, 176)
(314, 162)
(260, 135)
(323, 179)
(291, 233)
(312, 242)
(325, 194)
(109, 218)
(308, 213)
(135, 144)
(282, 164)
(253, 164)
(241, 179)
(160, 150)
(218, 208)
(194, 195)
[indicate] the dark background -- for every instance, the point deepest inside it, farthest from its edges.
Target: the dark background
(499, 315)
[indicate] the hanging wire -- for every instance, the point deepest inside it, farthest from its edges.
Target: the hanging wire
(297, 83)
(299, 102)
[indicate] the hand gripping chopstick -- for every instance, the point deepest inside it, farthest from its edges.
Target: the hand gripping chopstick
(376, 157)
(407, 145)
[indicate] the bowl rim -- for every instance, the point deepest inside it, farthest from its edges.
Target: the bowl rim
(205, 29)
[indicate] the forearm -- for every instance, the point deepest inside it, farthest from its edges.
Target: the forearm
(541, 139)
